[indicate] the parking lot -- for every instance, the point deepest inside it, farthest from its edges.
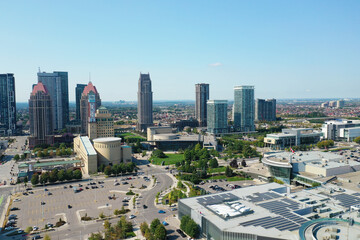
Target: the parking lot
(62, 202)
(214, 186)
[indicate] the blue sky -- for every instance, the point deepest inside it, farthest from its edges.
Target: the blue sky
(287, 49)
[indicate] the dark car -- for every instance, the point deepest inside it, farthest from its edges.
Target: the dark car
(14, 209)
(144, 206)
(182, 234)
(42, 203)
(69, 206)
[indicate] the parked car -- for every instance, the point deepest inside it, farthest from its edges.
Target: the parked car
(35, 228)
(144, 206)
(165, 223)
(14, 209)
(116, 184)
(69, 206)
(132, 216)
(182, 234)
(36, 237)
(161, 211)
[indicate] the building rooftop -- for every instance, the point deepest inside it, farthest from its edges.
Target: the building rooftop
(272, 211)
(107, 139)
(88, 145)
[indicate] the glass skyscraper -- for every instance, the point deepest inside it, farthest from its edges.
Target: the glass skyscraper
(56, 84)
(244, 108)
(78, 91)
(145, 103)
(202, 95)
(217, 116)
(7, 104)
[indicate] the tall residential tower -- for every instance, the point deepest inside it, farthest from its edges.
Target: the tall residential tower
(90, 101)
(56, 84)
(217, 116)
(145, 103)
(40, 114)
(78, 92)
(265, 110)
(244, 109)
(7, 104)
(202, 96)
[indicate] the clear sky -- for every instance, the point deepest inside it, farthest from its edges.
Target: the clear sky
(287, 49)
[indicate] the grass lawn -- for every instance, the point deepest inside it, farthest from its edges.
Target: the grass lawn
(230, 179)
(134, 137)
(171, 159)
(219, 169)
(130, 235)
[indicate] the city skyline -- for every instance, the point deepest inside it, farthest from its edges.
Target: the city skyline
(286, 50)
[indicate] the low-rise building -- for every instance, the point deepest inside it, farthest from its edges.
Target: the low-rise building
(306, 168)
(166, 139)
(108, 151)
(292, 137)
(332, 130)
(271, 211)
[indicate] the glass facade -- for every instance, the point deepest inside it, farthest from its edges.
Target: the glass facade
(217, 116)
(7, 104)
(244, 108)
(281, 173)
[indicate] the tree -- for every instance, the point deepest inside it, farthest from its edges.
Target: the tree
(26, 179)
(53, 177)
(96, 236)
(108, 170)
(213, 163)
(228, 172)
(243, 163)
(77, 174)
(35, 179)
(160, 232)
(28, 229)
(40, 154)
(154, 225)
(69, 174)
(192, 229)
(158, 153)
(61, 175)
(107, 225)
(143, 227)
(44, 178)
(58, 152)
(357, 140)
(149, 235)
(16, 157)
(234, 164)
(23, 156)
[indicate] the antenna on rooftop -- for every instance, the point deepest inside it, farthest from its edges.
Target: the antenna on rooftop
(89, 76)
(39, 70)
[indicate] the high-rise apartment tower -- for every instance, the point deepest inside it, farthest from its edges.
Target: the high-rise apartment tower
(78, 92)
(217, 116)
(244, 109)
(40, 114)
(145, 103)
(90, 101)
(56, 84)
(7, 104)
(265, 110)
(202, 96)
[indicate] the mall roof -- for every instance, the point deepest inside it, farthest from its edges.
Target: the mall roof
(88, 145)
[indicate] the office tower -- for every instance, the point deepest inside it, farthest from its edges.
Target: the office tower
(89, 102)
(217, 116)
(78, 91)
(145, 103)
(244, 108)
(202, 96)
(7, 104)
(40, 114)
(56, 84)
(103, 125)
(265, 110)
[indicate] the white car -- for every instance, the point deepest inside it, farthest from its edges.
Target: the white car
(17, 200)
(35, 228)
(132, 216)
(9, 228)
